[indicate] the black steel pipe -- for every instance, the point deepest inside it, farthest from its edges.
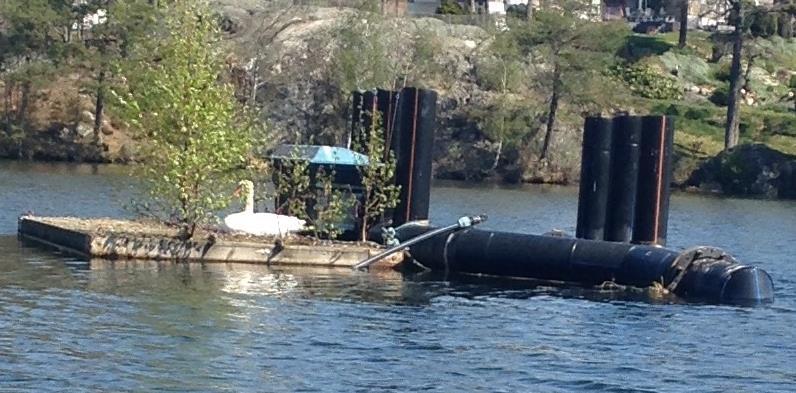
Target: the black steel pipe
(413, 146)
(387, 103)
(356, 115)
(624, 178)
(654, 181)
(594, 178)
(703, 274)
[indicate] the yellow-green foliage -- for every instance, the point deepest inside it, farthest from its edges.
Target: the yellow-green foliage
(293, 185)
(192, 141)
(646, 83)
(332, 206)
(378, 178)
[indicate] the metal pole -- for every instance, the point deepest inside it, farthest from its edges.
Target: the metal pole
(463, 222)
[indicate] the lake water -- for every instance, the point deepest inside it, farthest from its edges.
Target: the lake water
(70, 325)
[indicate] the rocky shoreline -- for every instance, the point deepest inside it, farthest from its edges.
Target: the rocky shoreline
(752, 170)
(283, 70)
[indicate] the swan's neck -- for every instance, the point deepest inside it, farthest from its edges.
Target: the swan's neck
(249, 201)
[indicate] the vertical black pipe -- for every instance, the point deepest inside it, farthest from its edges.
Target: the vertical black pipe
(356, 116)
(654, 180)
(388, 110)
(413, 144)
(624, 178)
(594, 178)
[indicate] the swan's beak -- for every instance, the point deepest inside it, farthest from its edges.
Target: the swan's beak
(237, 191)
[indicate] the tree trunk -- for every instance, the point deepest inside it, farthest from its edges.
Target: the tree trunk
(471, 6)
(683, 24)
(7, 108)
(24, 102)
(748, 74)
(363, 210)
(731, 131)
(529, 11)
(786, 26)
(99, 106)
(497, 155)
(254, 82)
(551, 115)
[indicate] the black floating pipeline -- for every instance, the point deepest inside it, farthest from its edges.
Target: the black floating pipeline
(704, 274)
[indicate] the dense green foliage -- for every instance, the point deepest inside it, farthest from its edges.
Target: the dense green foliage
(646, 83)
(311, 197)
(174, 100)
(451, 7)
(46, 40)
(379, 191)
(571, 52)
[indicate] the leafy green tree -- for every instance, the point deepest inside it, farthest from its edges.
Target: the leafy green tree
(507, 117)
(570, 52)
(293, 185)
(379, 191)
(361, 60)
(508, 121)
(331, 206)
(47, 39)
(738, 19)
(748, 23)
(451, 7)
(34, 41)
(122, 23)
(194, 139)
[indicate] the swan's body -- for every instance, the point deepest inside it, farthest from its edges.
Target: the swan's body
(260, 224)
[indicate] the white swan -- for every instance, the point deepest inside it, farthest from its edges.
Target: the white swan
(253, 223)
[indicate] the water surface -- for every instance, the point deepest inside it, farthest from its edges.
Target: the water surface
(71, 324)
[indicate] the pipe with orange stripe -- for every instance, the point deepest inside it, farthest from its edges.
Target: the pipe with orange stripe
(654, 181)
(413, 142)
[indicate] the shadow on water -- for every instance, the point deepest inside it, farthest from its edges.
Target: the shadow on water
(482, 286)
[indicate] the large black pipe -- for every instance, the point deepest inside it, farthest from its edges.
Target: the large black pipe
(624, 178)
(594, 178)
(387, 103)
(654, 181)
(356, 115)
(413, 146)
(704, 274)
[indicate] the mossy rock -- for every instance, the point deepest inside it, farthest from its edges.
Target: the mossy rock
(748, 170)
(689, 68)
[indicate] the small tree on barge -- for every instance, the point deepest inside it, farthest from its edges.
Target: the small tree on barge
(192, 141)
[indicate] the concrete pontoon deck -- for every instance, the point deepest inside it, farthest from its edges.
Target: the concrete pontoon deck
(124, 239)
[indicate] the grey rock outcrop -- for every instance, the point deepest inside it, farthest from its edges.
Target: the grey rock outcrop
(287, 56)
(748, 170)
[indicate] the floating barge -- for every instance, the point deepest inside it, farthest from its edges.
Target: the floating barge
(122, 239)
(623, 212)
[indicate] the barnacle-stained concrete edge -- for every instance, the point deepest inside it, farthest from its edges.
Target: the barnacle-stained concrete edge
(127, 239)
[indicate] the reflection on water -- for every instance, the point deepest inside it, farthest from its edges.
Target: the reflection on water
(69, 324)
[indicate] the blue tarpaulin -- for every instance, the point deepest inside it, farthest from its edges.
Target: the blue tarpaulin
(324, 155)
